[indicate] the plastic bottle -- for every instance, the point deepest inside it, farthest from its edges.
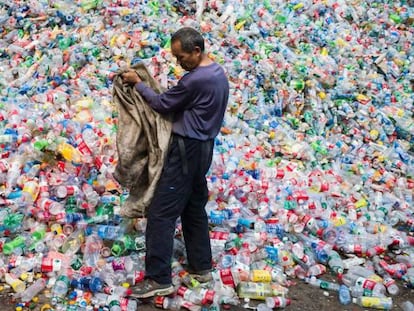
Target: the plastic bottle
(90, 137)
(63, 191)
(335, 262)
(390, 284)
(69, 153)
(128, 243)
(194, 296)
(277, 302)
(188, 280)
(364, 272)
(114, 303)
(91, 283)
(381, 303)
(109, 232)
(17, 243)
(168, 303)
(73, 242)
(322, 284)
(51, 206)
(407, 306)
(92, 250)
(344, 295)
(259, 291)
(16, 284)
(33, 290)
(30, 191)
(61, 286)
(316, 270)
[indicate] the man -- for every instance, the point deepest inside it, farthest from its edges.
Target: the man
(198, 103)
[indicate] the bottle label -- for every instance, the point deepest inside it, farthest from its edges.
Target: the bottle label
(182, 291)
(388, 281)
(208, 297)
(51, 264)
(138, 276)
(159, 302)
(365, 283)
(261, 276)
(227, 277)
(188, 305)
(219, 235)
(376, 302)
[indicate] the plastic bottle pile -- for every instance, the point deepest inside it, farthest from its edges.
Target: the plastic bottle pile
(313, 171)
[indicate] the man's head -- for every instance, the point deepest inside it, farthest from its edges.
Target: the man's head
(187, 45)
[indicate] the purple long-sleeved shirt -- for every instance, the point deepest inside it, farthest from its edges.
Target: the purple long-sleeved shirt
(198, 101)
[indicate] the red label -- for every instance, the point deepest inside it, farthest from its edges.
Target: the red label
(138, 276)
(181, 291)
(227, 277)
(208, 297)
(47, 264)
(159, 301)
(84, 149)
(219, 235)
(369, 284)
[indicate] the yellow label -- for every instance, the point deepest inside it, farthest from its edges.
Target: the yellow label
(383, 303)
(261, 276)
(361, 203)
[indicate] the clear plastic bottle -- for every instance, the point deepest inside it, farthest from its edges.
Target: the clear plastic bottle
(61, 286)
(407, 306)
(92, 249)
(377, 289)
(277, 302)
(51, 206)
(73, 242)
(63, 191)
(382, 303)
(194, 296)
(322, 284)
(260, 291)
(33, 290)
(30, 191)
(335, 262)
(390, 284)
(168, 303)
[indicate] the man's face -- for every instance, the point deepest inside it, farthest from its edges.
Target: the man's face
(188, 61)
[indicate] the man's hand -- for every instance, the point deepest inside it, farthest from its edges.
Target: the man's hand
(130, 77)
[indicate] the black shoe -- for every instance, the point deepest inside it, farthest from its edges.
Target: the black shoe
(149, 288)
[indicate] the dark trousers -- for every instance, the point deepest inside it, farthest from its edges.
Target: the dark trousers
(182, 191)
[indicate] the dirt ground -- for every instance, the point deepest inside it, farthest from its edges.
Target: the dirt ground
(303, 296)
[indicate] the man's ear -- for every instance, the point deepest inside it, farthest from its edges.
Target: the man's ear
(197, 49)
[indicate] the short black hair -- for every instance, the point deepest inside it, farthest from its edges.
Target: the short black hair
(189, 38)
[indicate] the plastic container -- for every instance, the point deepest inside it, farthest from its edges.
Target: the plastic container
(30, 292)
(344, 295)
(260, 291)
(277, 302)
(381, 303)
